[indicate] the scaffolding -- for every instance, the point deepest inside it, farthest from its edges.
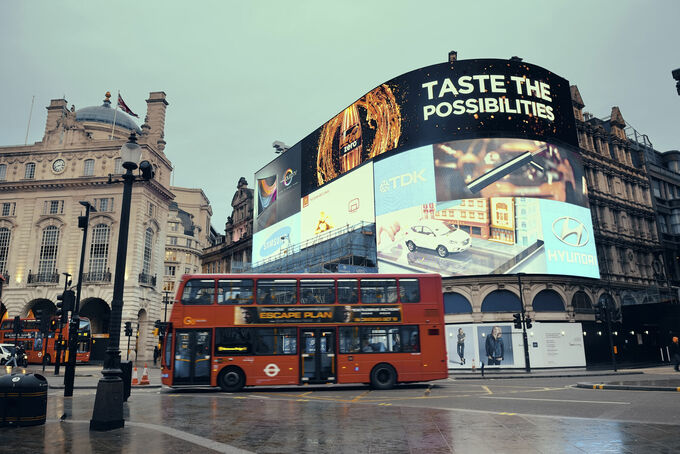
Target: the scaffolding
(345, 249)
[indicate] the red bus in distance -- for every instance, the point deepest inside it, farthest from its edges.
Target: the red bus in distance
(36, 344)
(236, 330)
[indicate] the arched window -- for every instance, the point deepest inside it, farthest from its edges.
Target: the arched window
(148, 245)
(48, 252)
(501, 301)
(5, 236)
(548, 301)
(455, 303)
(99, 251)
(88, 169)
(30, 171)
(581, 303)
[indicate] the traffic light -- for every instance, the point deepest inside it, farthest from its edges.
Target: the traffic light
(527, 321)
(518, 320)
(17, 326)
(128, 329)
(159, 328)
(65, 303)
(53, 324)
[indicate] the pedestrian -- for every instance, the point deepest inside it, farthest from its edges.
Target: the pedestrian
(675, 354)
(156, 354)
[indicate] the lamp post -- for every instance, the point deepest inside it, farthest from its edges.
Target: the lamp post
(57, 340)
(108, 405)
(69, 375)
(527, 363)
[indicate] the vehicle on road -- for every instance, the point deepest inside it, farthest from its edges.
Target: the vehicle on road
(7, 351)
(242, 330)
(41, 346)
(438, 236)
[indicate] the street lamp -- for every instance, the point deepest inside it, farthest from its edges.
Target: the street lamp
(69, 375)
(108, 404)
(524, 321)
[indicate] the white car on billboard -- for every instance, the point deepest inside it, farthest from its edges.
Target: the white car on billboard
(438, 236)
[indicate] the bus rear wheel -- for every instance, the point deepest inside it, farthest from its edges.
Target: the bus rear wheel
(383, 376)
(232, 380)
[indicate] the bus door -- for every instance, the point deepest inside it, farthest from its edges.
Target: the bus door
(317, 355)
(192, 357)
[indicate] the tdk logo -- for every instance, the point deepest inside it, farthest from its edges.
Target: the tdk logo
(570, 231)
(402, 180)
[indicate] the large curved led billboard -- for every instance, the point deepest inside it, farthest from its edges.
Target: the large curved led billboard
(474, 170)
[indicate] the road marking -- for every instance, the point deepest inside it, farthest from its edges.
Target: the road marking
(360, 396)
(486, 388)
(506, 413)
(558, 400)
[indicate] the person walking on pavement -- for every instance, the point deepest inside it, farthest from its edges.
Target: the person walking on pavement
(675, 354)
(156, 354)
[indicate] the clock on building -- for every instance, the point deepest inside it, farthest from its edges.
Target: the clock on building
(58, 165)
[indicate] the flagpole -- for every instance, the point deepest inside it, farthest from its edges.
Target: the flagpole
(29, 120)
(113, 125)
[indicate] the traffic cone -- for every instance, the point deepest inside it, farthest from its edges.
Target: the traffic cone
(145, 376)
(135, 380)
(473, 365)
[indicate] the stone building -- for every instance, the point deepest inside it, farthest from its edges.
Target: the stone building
(189, 232)
(233, 253)
(41, 185)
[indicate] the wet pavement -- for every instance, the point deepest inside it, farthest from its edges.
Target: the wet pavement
(409, 419)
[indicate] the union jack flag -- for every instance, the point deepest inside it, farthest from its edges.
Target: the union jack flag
(124, 107)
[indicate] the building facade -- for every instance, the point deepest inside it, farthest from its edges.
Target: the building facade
(188, 234)
(41, 187)
(233, 251)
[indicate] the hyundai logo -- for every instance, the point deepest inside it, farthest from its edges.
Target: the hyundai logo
(570, 231)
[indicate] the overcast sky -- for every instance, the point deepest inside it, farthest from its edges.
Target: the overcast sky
(240, 74)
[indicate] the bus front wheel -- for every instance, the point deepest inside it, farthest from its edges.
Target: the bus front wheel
(232, 379)
(383, 376)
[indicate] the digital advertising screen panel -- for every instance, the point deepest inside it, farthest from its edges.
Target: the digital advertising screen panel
(276, 239)
(448, 101)
(278, 189)
(466, 168)
(345, 202)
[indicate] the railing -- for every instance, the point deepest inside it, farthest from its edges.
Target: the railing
(147, 279)
(43, 278)
(97, 277)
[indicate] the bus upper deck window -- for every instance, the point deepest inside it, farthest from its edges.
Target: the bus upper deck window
(235, 291)
(276, 291)
(348, 291)
(409, 290)
(199, 292)
(378, 290)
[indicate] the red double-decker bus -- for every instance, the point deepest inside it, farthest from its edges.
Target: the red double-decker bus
(242, 330)
(39, 346)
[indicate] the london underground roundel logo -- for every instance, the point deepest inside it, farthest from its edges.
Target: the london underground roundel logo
(570, 231)
(272, 370)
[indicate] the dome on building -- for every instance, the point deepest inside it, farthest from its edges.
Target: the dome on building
(105, 114)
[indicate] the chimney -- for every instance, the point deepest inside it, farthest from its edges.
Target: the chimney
(55, 111)
(453, 56)
(155, 117)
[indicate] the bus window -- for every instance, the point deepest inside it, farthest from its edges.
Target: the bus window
(255, 341)
(409, 335)
(235, 291)
(199, 291)
(348, 291)
(168, 349)
(349, 339)
(409, 291)
(276, 291)
(317, 291)
(378, 291)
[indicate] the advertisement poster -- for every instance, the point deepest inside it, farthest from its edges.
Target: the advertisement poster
(345, 202)
(316, 314)
(500, 345)
(459, 100)
(277, 240)
(278, 189)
